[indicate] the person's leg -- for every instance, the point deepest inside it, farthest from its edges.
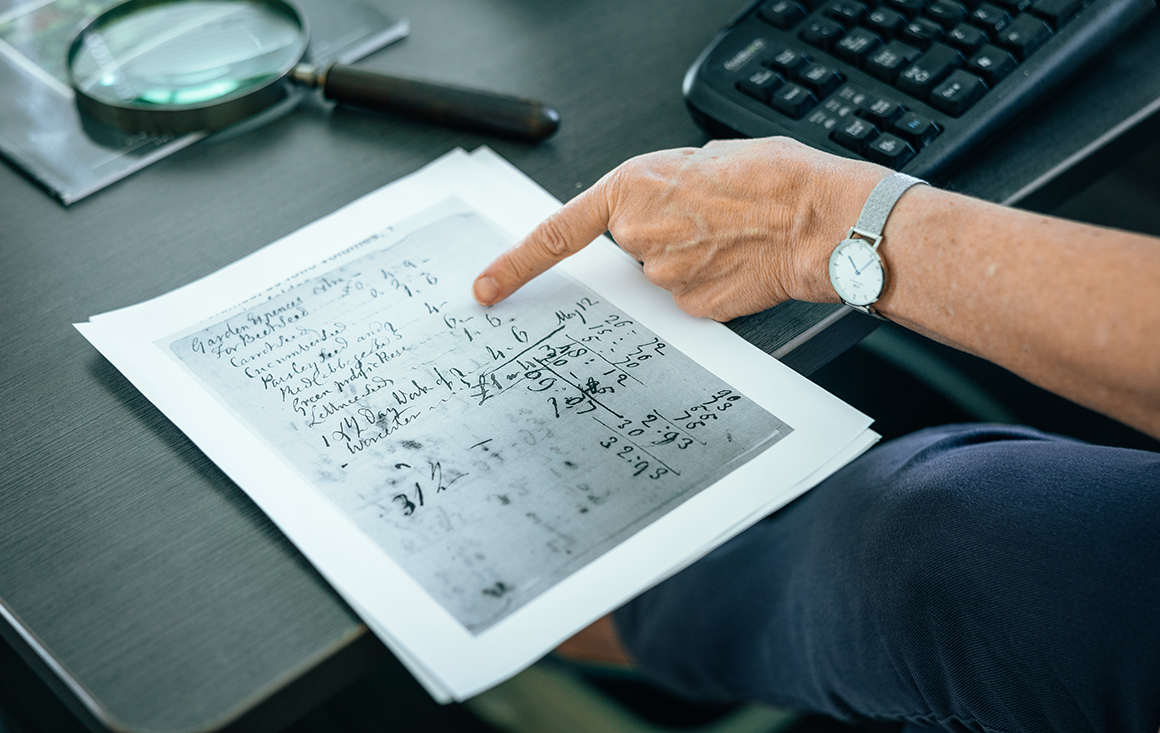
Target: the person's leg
(982, 578)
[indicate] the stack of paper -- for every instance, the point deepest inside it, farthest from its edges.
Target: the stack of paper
(479, 483)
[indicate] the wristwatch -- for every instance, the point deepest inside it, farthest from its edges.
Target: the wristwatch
(856, 269)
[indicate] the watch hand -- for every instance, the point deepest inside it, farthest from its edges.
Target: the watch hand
(868, 263)
(856, 270)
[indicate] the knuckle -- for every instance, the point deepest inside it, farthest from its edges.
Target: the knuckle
(636, 163)
(781, 141)
(554, 238)
(663, 274)
(622, 177)
(517, 264)
(694, 306)
(626, 233)
(643, 168)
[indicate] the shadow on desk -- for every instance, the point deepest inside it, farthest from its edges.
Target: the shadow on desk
(389, 699)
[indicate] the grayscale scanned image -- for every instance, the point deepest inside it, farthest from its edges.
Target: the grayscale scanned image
(490, 452)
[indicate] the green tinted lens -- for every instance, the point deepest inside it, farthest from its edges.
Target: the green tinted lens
(186, 54)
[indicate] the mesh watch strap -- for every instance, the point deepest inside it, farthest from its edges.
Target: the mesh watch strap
(881, 202)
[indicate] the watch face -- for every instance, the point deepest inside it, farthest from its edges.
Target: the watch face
(856, 272)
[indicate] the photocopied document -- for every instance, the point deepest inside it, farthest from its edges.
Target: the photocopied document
(478, 483)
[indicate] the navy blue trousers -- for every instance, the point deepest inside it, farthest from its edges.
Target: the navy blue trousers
(966, 578)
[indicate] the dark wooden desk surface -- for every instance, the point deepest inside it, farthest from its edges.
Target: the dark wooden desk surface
(164, 599)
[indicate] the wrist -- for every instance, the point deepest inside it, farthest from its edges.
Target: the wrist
(834, 213)
(856, 268)
(905, 250)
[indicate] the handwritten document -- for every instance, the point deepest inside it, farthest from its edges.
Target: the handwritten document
(489, 452)
(479, 483)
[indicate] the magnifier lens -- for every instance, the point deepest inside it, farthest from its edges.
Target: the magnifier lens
(186, 54)
(169, 67)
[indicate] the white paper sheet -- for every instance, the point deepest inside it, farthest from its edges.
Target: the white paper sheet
(478, 483)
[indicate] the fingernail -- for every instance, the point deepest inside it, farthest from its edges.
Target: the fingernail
(485, 290)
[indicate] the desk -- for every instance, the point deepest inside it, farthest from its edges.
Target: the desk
(163, 599)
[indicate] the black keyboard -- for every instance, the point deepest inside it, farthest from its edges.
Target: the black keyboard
(914, 85)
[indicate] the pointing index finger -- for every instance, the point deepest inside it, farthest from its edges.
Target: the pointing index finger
(572, 228)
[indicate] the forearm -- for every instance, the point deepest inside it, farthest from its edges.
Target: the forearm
(1070, 307)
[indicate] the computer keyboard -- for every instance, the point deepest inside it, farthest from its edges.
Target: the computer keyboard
(915, 85)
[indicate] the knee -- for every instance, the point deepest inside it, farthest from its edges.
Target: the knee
(918, 547)
(932, 517)
(929, 540)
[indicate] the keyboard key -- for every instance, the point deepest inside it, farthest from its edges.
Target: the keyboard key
(885, 22)
(787, 61)
(931, 68)
(839, 108)
(847, 100)
(992, 63)
(820, 79)
(966, 38)
(846, 12)
(855, 135)
(1056, 12)
(882, 111)
(948, 13)
(1014, 7)
(956, 95)
(1023, 35)
(844, 104)
(823, 33)
(887, 62)
(854, 95)
(990, 18)
(909, 8)
(921, 32)
(915, 129)
(793, 100)
(889, 151)
(784, 14)
(857, 46)
(821, 119)
(760, 84)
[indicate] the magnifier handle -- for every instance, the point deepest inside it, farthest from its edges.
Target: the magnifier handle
(481, 111)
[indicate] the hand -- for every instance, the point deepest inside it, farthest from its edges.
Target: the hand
(730, 229)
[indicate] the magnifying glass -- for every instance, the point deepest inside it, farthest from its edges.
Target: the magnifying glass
(178, 66)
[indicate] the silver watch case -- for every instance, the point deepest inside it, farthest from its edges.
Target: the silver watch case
(867, 242)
